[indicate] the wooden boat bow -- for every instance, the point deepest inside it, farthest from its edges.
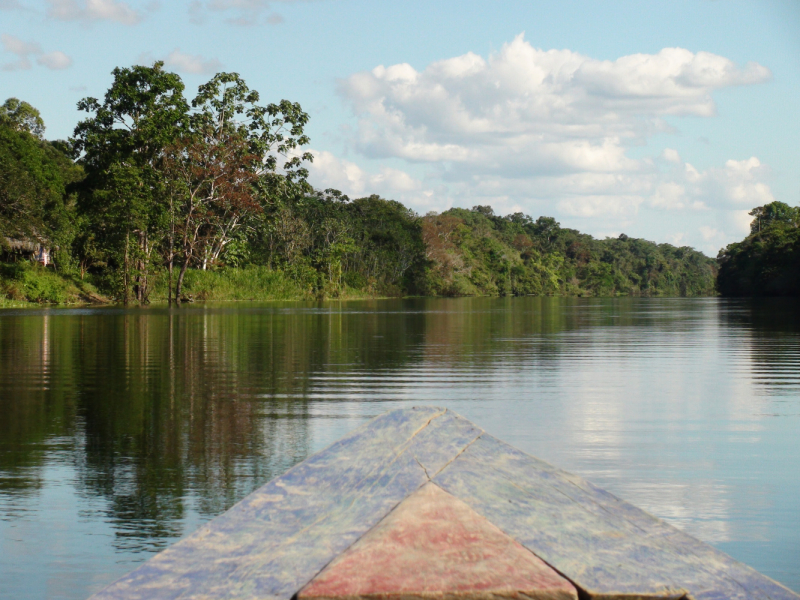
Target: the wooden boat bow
(421, 503)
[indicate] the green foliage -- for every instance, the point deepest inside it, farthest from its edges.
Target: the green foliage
(332, 246)
(120, 145)
(21, 116)
(35, 177)
(24, 281)
(252, 283)
(774, 213)
(767, 262)
(275, 130)
(476, 252)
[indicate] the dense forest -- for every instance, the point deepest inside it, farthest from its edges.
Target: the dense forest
(767, 262)
(160, 198)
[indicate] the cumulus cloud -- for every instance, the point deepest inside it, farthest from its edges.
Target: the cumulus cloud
(93, 10)
(551, 130)
(192, 63)
(27, 51)
(544, 111)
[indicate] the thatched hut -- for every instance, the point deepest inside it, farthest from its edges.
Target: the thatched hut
(36, 250)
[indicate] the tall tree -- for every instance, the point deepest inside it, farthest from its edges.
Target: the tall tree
(236, 157)
(122, 145)
(210, 181)
(274, 133)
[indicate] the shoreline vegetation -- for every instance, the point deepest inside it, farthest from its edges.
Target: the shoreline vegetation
(157, 198)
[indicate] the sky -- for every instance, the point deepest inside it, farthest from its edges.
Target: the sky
(667, 120)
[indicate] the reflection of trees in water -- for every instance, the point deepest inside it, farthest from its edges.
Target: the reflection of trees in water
(771, 327)
(486, 331)
(30, 351)
(164, 414)
(763, 315)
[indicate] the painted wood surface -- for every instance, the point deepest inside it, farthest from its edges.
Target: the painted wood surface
(275, 541)
(435, 546)
(278, 538)
(607, 547)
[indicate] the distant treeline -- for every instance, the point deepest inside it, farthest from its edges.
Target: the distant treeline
(152, 188)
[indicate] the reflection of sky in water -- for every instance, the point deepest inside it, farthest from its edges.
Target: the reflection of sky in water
(689, 409)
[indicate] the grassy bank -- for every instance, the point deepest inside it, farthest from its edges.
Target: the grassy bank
(24, 283)
(251, 283)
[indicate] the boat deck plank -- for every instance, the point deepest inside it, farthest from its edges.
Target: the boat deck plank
(606, 546)
(279, 537)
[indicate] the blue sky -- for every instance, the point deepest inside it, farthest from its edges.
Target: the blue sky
(664, 120)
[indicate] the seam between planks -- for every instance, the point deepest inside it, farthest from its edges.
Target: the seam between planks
(403, 448)
(464, 449)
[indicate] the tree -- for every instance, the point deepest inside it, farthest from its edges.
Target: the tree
(225, 169)
(34, 177)
(766, 262)
(211, 186)
(226, 106)
(121, 147)
(773, 213)
(21, 116)
(546, 229)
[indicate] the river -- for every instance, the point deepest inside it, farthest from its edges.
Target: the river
(123, 430)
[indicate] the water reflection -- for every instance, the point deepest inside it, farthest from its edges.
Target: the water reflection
(121, 431)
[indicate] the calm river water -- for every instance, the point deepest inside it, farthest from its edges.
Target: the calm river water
(123, 430)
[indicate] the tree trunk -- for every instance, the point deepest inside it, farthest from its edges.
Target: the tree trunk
(179, 285)
(126, 272)
(169, 285)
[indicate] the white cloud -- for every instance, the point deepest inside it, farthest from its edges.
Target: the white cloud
(246, 12)
(671, 155)
(192, 63)
(23, 51)
(742, 182)
(329, 171)
(55, 60)
(94, 10)
(26, 51)
(740, 221)
(546, 111)
(709, 233)
(551, 131)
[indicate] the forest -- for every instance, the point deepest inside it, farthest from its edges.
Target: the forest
(766, 262)
(158, 198)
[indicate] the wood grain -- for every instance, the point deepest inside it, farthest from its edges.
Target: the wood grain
(279, 537)
(434, 546)
(607, 547)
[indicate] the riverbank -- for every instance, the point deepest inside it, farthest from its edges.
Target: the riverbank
(24, 284)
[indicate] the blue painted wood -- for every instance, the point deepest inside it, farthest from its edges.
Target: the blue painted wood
(277, 539)
(605, 546)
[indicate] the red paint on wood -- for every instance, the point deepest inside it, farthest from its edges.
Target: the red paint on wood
(434, 545)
